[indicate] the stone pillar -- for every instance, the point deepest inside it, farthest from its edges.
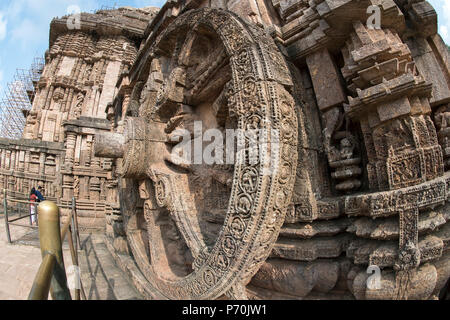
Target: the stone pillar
(126, 101)
(71, 140)
(8, 160)
(89, 142)
(94, 189)
(67, 187)
(42, 164)
(21, 161)
(77, 160)
(76, 187)
(11, 185)
(13, 160)
(111, 185)
(68, 183)
(2, 158)
(27, 160)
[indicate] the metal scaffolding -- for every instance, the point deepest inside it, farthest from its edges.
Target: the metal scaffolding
(18, 98)
(106, 8)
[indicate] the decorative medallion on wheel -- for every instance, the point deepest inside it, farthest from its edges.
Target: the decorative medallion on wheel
(213, 87)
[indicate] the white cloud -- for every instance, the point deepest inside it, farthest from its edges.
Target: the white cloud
(442, 8)
(443, 30)
(26, 29)
(3, 23)
(31, 19)
(444, 22)
(1, 80)
(446, 11)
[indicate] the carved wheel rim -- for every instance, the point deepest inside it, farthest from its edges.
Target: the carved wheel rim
(255, 212)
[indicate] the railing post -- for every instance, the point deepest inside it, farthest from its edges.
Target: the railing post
(41, 285)
(5, 208)
(36, 213)
(74, 224)
(29, 210)
(77, 229)
(50, 240)
(74, 255)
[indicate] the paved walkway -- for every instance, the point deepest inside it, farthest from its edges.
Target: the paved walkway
(19, 263)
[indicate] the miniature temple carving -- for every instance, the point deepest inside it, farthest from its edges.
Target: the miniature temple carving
(361, 151)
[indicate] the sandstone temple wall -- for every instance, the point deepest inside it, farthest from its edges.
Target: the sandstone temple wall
(371, 181)
(362, 111)
(28, 164)
(78, 81)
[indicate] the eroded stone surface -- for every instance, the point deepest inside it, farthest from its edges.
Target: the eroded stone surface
(363, 115)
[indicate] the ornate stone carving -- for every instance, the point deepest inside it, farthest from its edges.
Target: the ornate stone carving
(352, 176)
(442, 122)
(78, 108)
(249, 230)
(32, 127)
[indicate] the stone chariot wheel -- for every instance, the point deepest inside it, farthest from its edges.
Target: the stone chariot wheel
(206, 228)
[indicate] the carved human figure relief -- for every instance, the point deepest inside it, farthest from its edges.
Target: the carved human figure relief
(78, 108)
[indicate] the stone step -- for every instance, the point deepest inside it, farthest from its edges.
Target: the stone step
(101, 278)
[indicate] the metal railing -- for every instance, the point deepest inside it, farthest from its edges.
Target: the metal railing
(9, 222)
(12, 222)
(51, 276)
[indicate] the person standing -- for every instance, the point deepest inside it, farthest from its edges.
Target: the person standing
(39, 194)
(33, 199)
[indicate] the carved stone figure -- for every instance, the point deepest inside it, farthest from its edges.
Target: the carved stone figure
(76, 187)
(32, 126)
(442, 121)
(88, 73)
(252, 149)
(77, 110)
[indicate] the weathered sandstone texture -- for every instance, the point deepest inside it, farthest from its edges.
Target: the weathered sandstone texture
(78, 81)
(363, 120)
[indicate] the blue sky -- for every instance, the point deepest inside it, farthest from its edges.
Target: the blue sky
(443, 9)
(24, 27)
